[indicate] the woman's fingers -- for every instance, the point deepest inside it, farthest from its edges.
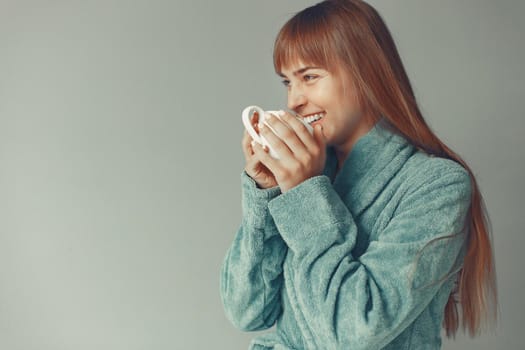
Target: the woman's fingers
(300, 154)
(293, 138)
(258, 170)
(279, 137)
(261, 155)
(247, 146)
(251, 167)
(300, 130)
(298, 160)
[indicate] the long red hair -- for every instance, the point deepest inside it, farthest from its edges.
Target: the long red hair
(352, 34)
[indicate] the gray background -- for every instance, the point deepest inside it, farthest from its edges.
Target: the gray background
(120, 156)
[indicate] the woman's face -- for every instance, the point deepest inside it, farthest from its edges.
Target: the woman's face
(315, 92)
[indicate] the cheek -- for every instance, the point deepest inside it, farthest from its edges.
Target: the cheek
(339, 97)
(348, 93)
(351, 101)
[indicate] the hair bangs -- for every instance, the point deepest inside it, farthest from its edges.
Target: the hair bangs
(305, 38)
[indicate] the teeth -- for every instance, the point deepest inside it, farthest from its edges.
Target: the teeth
(314, 117)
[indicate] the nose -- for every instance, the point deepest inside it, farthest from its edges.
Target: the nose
(296, 98)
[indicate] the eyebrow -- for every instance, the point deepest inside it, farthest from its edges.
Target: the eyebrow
(299, 71)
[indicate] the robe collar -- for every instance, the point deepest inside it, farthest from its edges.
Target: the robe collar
(372, 162)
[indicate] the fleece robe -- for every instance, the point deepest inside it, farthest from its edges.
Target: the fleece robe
(363, 258)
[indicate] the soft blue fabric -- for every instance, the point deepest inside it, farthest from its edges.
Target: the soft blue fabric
(362, 260)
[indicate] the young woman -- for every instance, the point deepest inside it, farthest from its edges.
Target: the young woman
(370, 233)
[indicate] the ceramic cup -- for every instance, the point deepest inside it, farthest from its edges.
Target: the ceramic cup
(247, 115)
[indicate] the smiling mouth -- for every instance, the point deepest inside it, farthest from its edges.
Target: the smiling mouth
(313, 117)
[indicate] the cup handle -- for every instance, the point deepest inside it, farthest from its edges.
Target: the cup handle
(247, 114)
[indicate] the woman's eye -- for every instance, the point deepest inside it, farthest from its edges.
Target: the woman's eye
(286, 82)
(309, 77)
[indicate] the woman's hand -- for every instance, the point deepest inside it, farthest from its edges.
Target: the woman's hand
(254, 168)
(301, 155)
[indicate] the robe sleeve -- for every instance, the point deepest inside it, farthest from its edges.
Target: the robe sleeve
(251, 273)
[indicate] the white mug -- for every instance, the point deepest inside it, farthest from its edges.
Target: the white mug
(247, 114)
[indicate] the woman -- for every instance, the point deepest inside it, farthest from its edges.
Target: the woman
(370, 233)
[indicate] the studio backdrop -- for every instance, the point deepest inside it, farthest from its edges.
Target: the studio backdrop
(120, 157)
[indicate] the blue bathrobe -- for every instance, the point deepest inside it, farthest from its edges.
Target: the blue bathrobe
(362, 259)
